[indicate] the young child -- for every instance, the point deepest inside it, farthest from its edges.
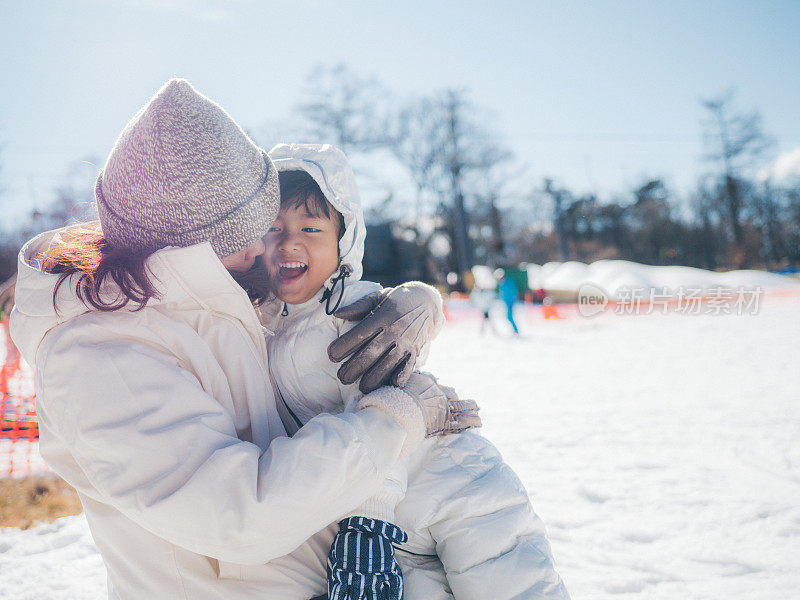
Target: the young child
(471, 530)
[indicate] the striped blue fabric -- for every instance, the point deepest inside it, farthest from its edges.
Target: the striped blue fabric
(361, 562)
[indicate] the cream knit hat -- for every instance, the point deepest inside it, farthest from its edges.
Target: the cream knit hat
(183, 172)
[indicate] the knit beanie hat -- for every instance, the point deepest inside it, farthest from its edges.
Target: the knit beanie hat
(183, 172)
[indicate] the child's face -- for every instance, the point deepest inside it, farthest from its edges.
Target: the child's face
(302, 251)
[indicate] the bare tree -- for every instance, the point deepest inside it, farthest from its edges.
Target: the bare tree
(8, 257)
(451, 159)
(736, 141)
(558, 197)
(2, 188)
(419, 143)
(488, 183)
(344, 108)
(654, 230)
(457, 163)
(792, 219)
(768, 211)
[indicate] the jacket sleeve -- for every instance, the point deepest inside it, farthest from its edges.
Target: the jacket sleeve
(488, 538)
(149, 441)
(382, 504)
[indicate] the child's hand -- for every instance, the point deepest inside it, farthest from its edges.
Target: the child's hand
(383, 347)
(443, 411)
(424, 408)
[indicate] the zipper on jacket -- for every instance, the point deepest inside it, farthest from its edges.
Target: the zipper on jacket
(414, 553)
(285, 311)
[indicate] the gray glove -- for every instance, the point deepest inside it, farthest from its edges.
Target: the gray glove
(383, 347)
(442, 410)
(423, 408)
(7, 294)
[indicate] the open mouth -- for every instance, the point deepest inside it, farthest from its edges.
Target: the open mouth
(291, 270)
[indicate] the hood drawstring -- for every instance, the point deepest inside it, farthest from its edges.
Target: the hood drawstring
(344, 272)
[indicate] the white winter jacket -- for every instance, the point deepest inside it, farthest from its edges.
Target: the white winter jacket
(472, 531)
(165, 422)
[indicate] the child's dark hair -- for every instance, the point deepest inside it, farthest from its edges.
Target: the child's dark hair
(298, 189)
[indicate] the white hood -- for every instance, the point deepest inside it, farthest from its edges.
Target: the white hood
(331, 170)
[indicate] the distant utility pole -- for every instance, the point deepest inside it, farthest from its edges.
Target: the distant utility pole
(558, 217)
(463, 245)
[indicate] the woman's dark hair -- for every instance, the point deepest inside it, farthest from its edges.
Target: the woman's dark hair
(84, 252)
(255, 281)
(299, 189)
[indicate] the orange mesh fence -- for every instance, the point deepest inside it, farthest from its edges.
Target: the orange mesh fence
(19, 428)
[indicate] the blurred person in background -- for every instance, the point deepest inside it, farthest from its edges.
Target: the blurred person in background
(509, 294)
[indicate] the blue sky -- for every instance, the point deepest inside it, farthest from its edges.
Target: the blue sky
(597, 95)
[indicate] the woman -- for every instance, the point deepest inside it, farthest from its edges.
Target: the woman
(151, 375)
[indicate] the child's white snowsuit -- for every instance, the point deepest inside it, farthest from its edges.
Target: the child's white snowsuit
(472, 530)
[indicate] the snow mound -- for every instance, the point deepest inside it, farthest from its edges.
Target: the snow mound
(484, 277)
(613, 276)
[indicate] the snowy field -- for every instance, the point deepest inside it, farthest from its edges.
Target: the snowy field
(662, 451)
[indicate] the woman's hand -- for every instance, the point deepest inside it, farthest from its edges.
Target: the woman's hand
(383, 347)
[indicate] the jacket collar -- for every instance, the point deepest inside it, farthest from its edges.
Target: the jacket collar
(278, 314)
(194, 274)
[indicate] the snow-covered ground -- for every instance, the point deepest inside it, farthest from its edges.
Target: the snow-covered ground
(661, 450)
